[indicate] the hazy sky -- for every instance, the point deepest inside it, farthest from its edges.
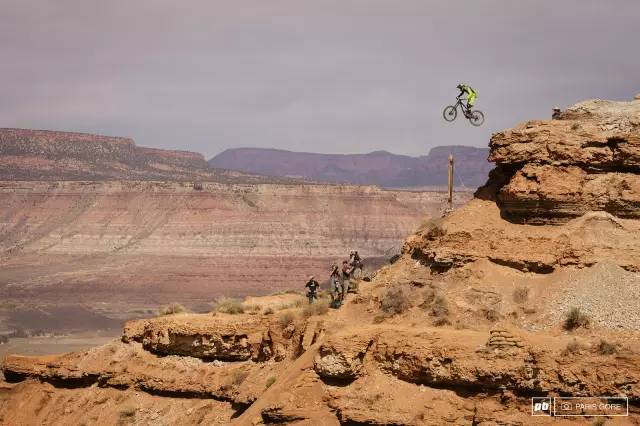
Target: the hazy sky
(315, 75)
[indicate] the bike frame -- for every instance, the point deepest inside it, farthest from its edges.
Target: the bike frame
(462, 106)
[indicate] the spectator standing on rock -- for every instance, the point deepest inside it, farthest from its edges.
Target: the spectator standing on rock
(354, 259)
(313, 286)
(346, 276)
(336, 287)
(356, 264)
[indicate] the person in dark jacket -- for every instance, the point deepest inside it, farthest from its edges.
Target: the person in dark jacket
(313, 287)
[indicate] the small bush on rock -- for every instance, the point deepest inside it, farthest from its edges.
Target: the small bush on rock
(320, 307)
(576, 319)
(606, 348)
(252, 309)
(286, 319)
(128, 411)
(395, 301)
(521, 294)
(271, 380)
(491, 315)
(238, 376)
(428, 295)
(227, 305)
(379, 318)
(440, 306)
(573, 347)
(174, 308)
(440, 321)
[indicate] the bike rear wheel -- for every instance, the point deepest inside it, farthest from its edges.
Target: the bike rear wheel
(477, 118)
(450, 113)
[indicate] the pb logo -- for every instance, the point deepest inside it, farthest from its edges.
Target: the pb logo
(541, 406)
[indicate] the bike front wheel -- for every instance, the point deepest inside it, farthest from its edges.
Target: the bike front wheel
(477, 118)
(450, 113)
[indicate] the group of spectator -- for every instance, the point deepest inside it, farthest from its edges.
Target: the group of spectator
(341, 280)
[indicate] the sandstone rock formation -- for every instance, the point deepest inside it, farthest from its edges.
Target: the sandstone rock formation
(587, 159)
(255, 369)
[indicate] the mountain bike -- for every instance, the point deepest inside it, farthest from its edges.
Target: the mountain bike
(475, 117)
(312, 296)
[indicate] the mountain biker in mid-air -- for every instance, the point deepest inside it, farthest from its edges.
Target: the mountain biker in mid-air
(471, 95)
(475, 117)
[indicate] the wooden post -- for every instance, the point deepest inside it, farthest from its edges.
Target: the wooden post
(450, 181)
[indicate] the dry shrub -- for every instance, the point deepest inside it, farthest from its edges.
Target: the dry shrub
(320, 307)
(606, 348)
(432, 228)
(491, 315)
(395, 301)
(268, 311)
(286, 319)
(174, 308)
(101, 400)
(379, 318)
(436, 304)
(428, 295)
(521, 294)
(461, 325)
(271, 380)
(576, 319)
(228, 305)
(238, 376)
(440, 321)
(324, 295)
(573, 347)
(128, 411)
(297, 303)
(440, 306)
(252, 309)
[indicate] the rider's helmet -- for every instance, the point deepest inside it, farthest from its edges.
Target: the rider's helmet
(461, 85)
(311, 277)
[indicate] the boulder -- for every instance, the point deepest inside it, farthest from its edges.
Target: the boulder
(587, 159)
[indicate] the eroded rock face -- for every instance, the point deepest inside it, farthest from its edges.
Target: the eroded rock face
(455, 361)
(342, 357)
(210, 338)
(477, 232)
(586, 159)
(555, 194)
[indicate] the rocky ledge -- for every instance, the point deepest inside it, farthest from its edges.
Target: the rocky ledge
(588, 158)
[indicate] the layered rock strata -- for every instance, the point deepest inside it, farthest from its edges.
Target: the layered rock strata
(103, 240)
(587, 159)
